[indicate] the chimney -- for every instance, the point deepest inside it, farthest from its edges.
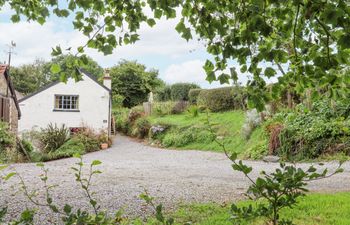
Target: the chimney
(107, 80)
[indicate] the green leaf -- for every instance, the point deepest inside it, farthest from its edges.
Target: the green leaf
(96, 162)
(56, 51)
(67, 209)
(233, 156)
(55, 68)
(8, 176)
(40, 164)
(151, 22)
(158, 13)
(270, 72)
(2, 167)
(15, 18)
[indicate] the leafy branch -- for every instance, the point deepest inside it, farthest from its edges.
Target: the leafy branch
(279, 189)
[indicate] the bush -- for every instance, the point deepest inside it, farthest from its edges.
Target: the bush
(193, 110)
(193, 95)
(178, 137)
(308, 134)
(179, 107)
(68, 149)
(141, 128)
(89, 139)
(162, 108)
(179, 91)
(121, 119)
(7, 138)
(53, 137)
(117, 100)
(164, 94)
(27, 145)
(221, 99)
(7, 143)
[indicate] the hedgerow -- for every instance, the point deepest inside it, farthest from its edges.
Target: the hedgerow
(180, 91)
(222, 99)
(193, 95)
(307, 134)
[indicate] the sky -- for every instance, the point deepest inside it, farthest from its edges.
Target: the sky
(159, 47)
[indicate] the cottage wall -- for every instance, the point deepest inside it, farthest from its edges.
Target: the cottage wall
(94, 102)
(5, 92)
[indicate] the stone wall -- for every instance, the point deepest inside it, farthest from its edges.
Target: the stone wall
(13, 116)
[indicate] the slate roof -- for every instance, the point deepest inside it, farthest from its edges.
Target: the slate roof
(57, 82)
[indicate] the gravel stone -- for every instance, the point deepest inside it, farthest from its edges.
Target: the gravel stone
(130, 167)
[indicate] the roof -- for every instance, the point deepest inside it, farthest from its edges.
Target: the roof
(57, 82)
(4, 71)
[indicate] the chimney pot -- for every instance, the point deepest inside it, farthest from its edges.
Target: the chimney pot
(107, 80)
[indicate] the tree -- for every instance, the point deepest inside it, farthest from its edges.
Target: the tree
(131, 80)
(66, 62)
(179, 91)
(306, 41)
(29, 77)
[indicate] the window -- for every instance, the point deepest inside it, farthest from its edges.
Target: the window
(66, 102)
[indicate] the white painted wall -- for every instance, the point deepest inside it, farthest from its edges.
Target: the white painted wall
(94, 102)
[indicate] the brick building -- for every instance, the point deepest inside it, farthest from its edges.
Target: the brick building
(9, 108)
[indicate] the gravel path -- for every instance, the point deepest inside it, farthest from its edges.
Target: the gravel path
(171, 176)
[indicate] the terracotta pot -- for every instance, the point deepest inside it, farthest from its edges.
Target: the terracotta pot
(104, 146)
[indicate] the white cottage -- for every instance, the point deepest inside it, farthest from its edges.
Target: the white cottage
(85, 103)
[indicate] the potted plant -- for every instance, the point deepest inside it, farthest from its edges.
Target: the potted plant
(104, 140)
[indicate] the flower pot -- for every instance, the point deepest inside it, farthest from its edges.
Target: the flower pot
(104, 146)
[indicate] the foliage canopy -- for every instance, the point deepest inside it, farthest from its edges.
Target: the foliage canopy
(305, 41)
(132, 81)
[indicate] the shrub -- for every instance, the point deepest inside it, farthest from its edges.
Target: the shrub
(103, 138)
(134, 115)
(179, 137)
(68, 149)
(7, 144)
(221, 99)
(162, 108)
(89, 139)
(179, 91)
(193, 95)
(27, 145)
(141, 128)
(308, 134)
(53, 137)
(7, 138)
(121, 119)
(164, 94)
(117, 100)
(193, 110)
(179, 107)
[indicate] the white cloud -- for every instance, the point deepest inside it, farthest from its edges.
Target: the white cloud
(189, 71)
(35, 41)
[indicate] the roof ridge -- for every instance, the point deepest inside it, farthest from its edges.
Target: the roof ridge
(58, 81)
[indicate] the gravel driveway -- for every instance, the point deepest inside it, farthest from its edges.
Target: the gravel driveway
(171, 176)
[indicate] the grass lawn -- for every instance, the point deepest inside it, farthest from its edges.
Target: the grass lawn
(228, 125)
(313, 209)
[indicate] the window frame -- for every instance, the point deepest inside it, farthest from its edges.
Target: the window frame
(70, 103)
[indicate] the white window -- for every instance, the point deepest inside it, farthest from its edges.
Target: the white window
(66, 102)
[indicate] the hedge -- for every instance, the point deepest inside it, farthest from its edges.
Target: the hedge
(221, 99)
(180, 91)
(193, 95)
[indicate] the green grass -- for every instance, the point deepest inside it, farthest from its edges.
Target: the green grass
(320, 209)
(227, 125)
